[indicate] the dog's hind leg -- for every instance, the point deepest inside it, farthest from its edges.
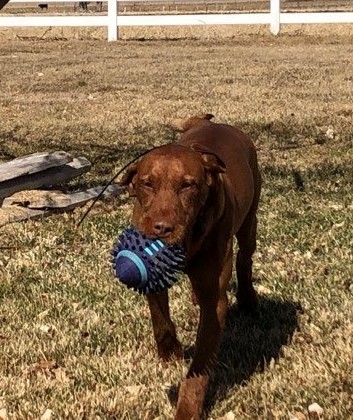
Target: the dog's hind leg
(168, 345)
(246, 236)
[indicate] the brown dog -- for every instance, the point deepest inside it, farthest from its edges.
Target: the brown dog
(200, 192)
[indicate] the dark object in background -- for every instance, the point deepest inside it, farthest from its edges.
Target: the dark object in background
(298, 179)
(83, 5)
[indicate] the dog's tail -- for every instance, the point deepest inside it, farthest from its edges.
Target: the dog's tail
(184, 124)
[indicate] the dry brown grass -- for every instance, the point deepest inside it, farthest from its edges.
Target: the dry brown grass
(58, 299)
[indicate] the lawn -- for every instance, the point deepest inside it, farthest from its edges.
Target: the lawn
(76, 342)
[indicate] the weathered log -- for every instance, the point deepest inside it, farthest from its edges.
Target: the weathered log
(51, 176)
(31, 164)
(57, 200)
(38, 199)
(36, 204)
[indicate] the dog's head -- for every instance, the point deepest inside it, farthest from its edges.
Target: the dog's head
(171, 185)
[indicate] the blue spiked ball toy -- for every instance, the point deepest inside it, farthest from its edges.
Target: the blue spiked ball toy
(145, 264)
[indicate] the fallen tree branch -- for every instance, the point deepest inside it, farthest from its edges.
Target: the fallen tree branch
(52, 176)
(31, 164)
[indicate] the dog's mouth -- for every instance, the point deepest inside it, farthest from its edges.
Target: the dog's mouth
(177, 236)
(173, 241)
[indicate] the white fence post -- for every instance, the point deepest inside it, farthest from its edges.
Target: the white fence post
(275, 16)
(112, 20)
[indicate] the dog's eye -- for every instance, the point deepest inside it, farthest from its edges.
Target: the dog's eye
(186, 185)
(147, 184)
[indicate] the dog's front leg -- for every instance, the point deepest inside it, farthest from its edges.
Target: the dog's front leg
(163, 327)
(210, 290)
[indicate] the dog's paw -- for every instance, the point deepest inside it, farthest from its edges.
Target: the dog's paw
(191, 398)
(170, 348)
(247, 301)
(183, 413)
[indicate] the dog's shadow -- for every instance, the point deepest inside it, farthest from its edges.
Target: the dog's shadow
(249, 344)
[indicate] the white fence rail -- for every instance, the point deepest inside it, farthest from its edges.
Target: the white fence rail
(113, 21)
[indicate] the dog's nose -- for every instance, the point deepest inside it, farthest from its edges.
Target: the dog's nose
(163, 229)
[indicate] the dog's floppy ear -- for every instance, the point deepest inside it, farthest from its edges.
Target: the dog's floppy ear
(212, 163)
(128, 179)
